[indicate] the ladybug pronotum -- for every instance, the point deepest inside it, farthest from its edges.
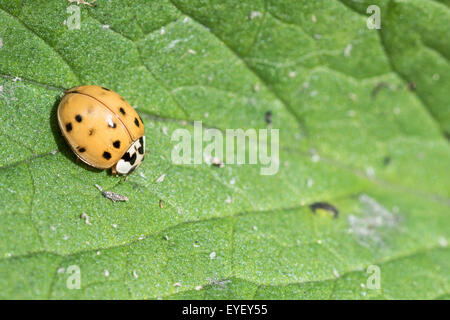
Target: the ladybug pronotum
(102, 128)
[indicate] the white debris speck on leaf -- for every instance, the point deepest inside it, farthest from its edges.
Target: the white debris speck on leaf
(114, 226)
(177, 284)
(353, 96)
(173, 43)
(315, 158)
(348, 50)
(443, 242)
(1, 88)
(199, 287)
(256, 87)
(255, 14)
(255, 228)
(186, 20)
(85, 217)
(228, 199)
(314, 93)
(106, 273)
(233, 181)
(396, 110)
(164, 130)
(374, 221)
(436, 77)
(370, 172)
(97, 253)
(309, 182)
(166, 237)
(52, 228)
(162, 31)
(206, 115)
(61, 270)
(351, 113)
(220, 283)
(212, 255)
(105, 26)
(1, 43)
(317, 36)
(336, 273)
(292, 74)
(319, 241)
(135, 275)
(161, 178)
(142, 175)
(66, 237)
(313, 18)
(196, 245)
(141, 237)
(363, 285)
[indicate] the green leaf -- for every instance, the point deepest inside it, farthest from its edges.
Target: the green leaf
(364, 125)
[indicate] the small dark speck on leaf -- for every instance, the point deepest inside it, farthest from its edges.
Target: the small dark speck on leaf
(324, 206)
(387, 160)
(412, 86)
(268, 117)
(378, 88)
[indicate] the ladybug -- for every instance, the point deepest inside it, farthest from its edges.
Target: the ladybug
(102, 128)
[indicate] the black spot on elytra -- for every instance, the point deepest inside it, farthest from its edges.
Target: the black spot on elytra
(116, 144)
(106, 155)
(78, 118)
(91, 131)
(122, 111)
(325, 206)
(105, 89)
(69, 127)
(112, 125)
(81, 149)
(136, 122)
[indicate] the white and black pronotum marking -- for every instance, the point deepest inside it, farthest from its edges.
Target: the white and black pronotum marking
(132, 158)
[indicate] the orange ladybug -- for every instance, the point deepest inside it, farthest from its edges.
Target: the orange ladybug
(102, 128)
